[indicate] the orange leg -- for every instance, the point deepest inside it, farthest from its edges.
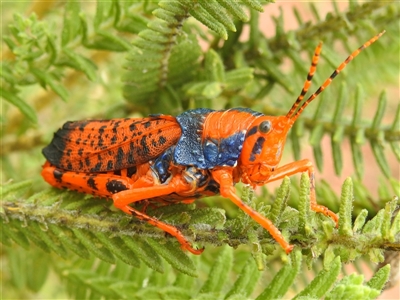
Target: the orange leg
(224, 178)
(304, 165)
(101, 184)
(176, 185)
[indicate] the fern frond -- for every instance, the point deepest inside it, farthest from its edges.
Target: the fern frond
(217, 14)
(357, 131)
(165, 56)
(98, 252)
(95, 279)
(336, 25)
(39, 56)
(352, 286)
(216, 81)
(60, 222)
(283, 279)
(149, 62)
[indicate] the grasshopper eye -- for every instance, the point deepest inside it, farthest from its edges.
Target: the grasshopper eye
(264, 126)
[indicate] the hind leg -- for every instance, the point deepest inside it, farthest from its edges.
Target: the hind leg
(99, 184)
(124, 191)
(176, 185)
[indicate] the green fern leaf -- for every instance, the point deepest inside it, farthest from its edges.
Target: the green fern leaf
(118, 256)
(321, 284)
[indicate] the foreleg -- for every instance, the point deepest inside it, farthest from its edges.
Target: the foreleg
(300, 166)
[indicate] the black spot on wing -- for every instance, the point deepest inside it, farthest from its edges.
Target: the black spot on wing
(130, 154)
(82, 124)
(102, 128)
(97, 167)
(120, 158)
(143, 143)
(162, 140)
(114, 139)
(115, 129)
(56, 149)
(133, 126)
(131, 159)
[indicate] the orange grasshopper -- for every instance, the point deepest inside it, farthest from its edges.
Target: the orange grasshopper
(165, 159)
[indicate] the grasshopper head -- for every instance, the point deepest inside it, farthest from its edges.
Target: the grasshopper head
(263, 148)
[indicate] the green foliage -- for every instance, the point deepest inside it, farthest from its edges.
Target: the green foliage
(168, 64)
(64, 223)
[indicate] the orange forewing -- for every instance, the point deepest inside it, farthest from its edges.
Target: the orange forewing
(108, 145)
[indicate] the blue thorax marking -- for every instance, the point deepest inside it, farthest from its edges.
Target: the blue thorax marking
(192, 150)
(189, 149)
(161, 164)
